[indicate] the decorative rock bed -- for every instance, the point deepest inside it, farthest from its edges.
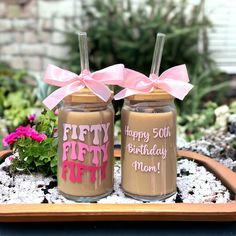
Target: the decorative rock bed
(195, 185)
(220, 145)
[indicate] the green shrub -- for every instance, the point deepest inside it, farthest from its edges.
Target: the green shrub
(194, 126)
(17, 97)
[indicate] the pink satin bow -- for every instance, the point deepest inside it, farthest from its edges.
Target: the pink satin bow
(71, 82)
(174, 81)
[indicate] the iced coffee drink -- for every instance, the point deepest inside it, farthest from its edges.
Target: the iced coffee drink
(85, 165)
(149, 146)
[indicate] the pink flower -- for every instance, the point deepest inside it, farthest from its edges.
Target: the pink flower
(23, 131)
(11, 158)
(9, 139)
(31, 118)
(38, 137)
(56, 112)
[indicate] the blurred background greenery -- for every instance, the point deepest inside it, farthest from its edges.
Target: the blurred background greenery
(120, 32)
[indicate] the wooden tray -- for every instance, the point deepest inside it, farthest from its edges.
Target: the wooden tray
(128, 212)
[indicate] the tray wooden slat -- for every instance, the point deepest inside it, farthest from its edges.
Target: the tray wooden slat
(111, 212)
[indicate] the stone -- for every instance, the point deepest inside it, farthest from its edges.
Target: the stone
(5, 25)
(63, 8)
(45, 36)
(58, 38)
(5, 38)
(45, 25)
(17, 62)
(30, 9)
(17, 37)
(10, 49)
(30, 37)
(13, 11)
(73, 25)
(34, 63)
(57, 51)
(24, 24)
(47, 61)
(232, 124)
(33, 49)
(59, 24)
(5, 57)
(2, 9)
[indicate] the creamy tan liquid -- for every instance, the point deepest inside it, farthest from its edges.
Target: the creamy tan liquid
(86, 187)
(155, 175)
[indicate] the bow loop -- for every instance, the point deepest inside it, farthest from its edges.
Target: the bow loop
(71, 82)
(111, 75)
(179, 73)
(173, 81)
(58, 77)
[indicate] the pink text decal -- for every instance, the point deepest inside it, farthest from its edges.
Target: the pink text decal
(139, 165)
(81, 142)
(139, 144)
(75, 171)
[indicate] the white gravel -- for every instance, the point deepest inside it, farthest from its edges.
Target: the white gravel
(195, 185)
(215, 145)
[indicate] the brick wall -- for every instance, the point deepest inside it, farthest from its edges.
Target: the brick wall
(32, 32)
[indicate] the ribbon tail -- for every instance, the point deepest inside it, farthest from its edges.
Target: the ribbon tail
(54, 98)
(99, 89)
(126, 93)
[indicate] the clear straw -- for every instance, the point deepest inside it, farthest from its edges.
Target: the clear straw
(83, 49)
(156, 60)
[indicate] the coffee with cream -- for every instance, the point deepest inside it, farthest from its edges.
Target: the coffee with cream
(149, 147)
(85, 166)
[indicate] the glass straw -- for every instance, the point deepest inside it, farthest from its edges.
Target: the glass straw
(156, 60)
(83, 49)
